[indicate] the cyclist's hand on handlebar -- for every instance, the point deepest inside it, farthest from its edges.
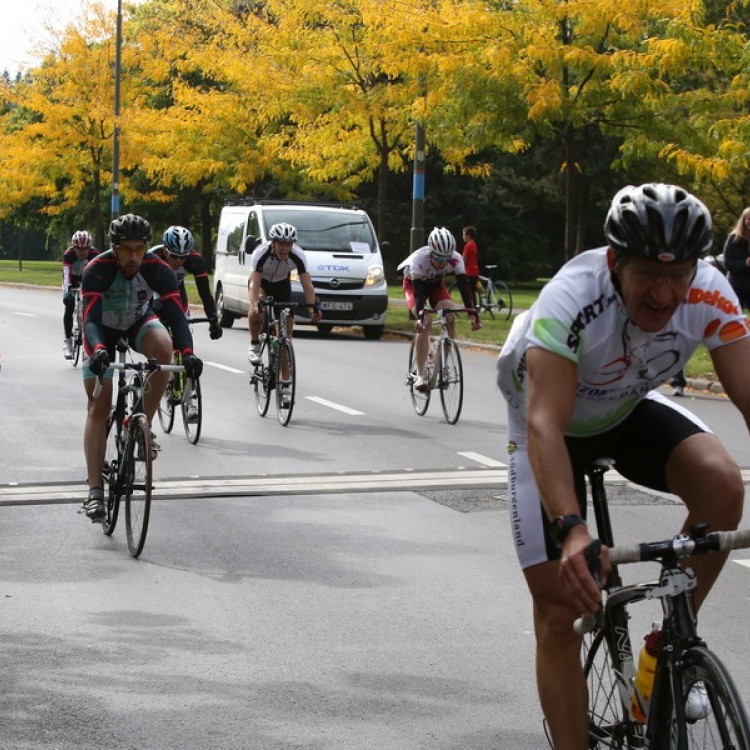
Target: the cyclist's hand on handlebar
(215, 331)
(99, 362)
(315, 314)
(420, 325)
(193, 366)
(575, 573)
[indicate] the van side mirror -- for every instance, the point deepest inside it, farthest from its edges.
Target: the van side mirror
(251, 242)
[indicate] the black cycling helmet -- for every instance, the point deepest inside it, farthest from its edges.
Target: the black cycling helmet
(658, 222)
(129, 227)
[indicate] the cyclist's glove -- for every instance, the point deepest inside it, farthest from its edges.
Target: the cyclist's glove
(193, 366)
(99, 362)
(215, 331)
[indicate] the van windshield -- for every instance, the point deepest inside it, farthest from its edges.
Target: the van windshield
(326, 230)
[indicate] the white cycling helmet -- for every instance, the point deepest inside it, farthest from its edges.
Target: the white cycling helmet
(442, 243)
(178, 241)
(282, 233)
(81, 240)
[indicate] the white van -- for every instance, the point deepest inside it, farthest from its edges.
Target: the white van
(343, 258)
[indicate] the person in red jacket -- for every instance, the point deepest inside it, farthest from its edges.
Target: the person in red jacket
(470, 255)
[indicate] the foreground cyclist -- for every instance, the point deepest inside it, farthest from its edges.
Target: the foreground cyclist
(177, 251)
(271, 265)
(117, 289)
(579, 371)
(75, 258)
(424, 279)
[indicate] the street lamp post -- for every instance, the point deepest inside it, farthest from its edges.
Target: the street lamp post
(116, 136)
(417, 193)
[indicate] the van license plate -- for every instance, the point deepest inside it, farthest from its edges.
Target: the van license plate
(330, 305)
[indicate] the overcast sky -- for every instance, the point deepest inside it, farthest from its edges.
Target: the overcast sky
(24, 24)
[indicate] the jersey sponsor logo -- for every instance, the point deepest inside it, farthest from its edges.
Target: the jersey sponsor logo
(714, 298)
(586, 315)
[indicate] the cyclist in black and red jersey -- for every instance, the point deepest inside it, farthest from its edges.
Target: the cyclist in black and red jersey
(177, 251)
(117, 289)
(75, 258)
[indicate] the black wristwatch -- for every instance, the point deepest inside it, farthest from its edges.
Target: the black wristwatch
(561, 526)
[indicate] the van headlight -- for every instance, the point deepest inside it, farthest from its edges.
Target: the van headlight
(375, 275)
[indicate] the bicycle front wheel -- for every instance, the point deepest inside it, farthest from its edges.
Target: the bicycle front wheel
(420, 400)
(451, 381)
(192, 410)
(166, 406)
(711, 714)
(502, 299)
(110, 474)
(261, 379)
(286, 383)
(610, 725)
(137, 483)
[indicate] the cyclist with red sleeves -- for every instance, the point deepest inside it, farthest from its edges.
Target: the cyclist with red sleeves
(117, 288)
(177, 250)
(75, 258)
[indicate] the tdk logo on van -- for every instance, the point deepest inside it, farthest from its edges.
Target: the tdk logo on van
(334, 269)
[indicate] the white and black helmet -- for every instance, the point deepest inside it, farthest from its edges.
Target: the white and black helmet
(658, 222)
(282, 233)
(81, 239)
(441, 242)
(178, 241)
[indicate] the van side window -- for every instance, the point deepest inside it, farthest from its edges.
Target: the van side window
(253, 225)
(234, 235)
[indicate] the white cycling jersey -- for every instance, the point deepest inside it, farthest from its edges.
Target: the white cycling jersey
(418, 264)
(580, 316)
(274, 270)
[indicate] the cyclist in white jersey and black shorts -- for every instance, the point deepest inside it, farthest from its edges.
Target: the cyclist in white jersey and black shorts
(579, 372)
(271, 264)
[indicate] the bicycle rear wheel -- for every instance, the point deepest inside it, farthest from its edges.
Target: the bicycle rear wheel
(285, 387)
(725, 724)
(166, 405)
(261, 379)
(420, 400)
(110, 474)
(137, 483)
(192, 410)
(502, 299)
(451, 381)
(610, 725)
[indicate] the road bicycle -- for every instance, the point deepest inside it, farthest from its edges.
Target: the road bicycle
(77, 329)
(685, 669)
(185, 393)
(444, 370)
(127, 471)
(494, 296)
(277, 370)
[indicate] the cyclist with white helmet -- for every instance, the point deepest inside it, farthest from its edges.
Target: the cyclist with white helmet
(271, 264)
(424, 273)
(579, 372)
(178, 252)
(117, 288)
(75, 258)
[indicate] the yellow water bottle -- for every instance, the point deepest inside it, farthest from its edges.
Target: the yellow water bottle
(643, 683)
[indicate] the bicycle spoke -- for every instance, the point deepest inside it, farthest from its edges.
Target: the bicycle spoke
(137, 492)
(420, 400)
(192, 410)
(286, 382)
(166, 406)
(110, 475)
(260, 379)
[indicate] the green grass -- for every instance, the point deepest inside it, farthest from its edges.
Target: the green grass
(49, 273)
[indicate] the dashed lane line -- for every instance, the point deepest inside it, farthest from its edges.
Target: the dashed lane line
(480, 459)
(334, 405)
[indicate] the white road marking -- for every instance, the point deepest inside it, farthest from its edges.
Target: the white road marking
(25, 315)
(746, 563)
(225, 367)
(333, 405)
(480, 459)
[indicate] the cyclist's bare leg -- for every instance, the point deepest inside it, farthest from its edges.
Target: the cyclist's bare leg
(95, 430)
(559, 674)
(156, 344)
(255, 324)
(702, 473)
(422, 342)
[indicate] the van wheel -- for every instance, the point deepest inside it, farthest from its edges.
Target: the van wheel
(373, 333)
(325, 328)
(226, 319)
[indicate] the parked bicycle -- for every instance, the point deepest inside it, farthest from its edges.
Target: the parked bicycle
(77, 329)
(494, 296)
(694, 702)
(277, 370)
(185, 393)
(444, 371)
(128, 460)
